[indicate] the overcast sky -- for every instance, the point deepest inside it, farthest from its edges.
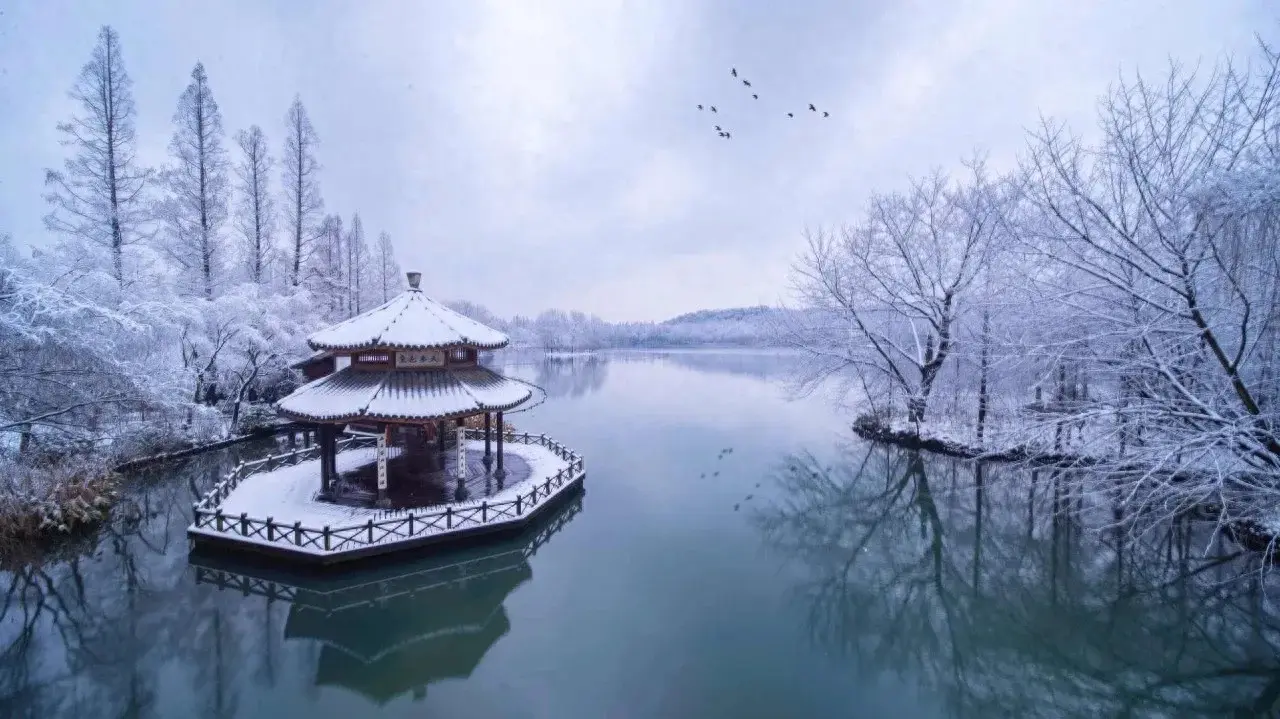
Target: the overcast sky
(533, 154)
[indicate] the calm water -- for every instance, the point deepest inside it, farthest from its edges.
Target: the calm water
(802, 574)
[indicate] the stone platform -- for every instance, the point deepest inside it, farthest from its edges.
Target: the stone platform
(271, 506)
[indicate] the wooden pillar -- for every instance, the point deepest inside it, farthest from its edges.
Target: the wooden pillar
(500, 472)
(323, 440)
(488, 456)
(333, 456)
(440, 432)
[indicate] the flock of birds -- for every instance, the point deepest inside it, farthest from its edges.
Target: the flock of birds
(723, 453)
(733, 72)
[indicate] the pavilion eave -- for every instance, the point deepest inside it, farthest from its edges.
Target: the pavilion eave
(403, 396)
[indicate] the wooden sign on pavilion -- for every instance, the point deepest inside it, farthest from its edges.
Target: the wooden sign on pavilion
(413, 364)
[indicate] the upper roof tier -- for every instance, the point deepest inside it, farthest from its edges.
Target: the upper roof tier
(410, 321)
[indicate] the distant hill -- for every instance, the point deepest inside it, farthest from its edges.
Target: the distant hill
(729, 314)
(572, 331)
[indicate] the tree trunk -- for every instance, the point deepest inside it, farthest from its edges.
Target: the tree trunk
(983, 363)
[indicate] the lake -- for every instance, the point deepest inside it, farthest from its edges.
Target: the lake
(735, 553)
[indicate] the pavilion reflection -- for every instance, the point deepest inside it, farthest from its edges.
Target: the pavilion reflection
(396, 629)
(1005, 596)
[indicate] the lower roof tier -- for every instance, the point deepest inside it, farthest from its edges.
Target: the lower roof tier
(352, 394)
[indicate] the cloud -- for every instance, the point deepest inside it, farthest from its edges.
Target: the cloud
(660, 190)
(540, 81)
(528, 155)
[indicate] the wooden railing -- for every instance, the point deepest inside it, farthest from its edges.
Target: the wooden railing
(244, 470)
(383, 589)
(390, 527)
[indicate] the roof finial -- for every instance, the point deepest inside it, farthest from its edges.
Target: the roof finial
(414, 279)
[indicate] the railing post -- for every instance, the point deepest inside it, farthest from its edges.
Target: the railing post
(244, 524)
(370, 531)
(410, 524)
(484, 511)
(448, 517)
(547, 487)
(519, 497)
(326, 537)
(195, 513)
(297, 533)
(271, 529)
(218, 516)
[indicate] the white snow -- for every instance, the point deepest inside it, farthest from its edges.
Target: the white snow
(287, 495)
(410, 320)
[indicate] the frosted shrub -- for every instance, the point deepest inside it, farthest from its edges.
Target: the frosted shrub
(53, 498)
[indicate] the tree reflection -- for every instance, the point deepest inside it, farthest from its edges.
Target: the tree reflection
(116, 626)
(85, 632)
(1006, 595)
(573, 375)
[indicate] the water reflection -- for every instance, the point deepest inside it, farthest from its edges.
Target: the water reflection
(1004, 596)
(395, 630)
(571, 375)
(761, 364)
(83, 630)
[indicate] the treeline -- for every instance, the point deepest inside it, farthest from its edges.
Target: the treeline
(558, 330)
(175, 296)
(1115, 301)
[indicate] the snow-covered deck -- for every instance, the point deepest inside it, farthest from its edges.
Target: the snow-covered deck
(275, 510)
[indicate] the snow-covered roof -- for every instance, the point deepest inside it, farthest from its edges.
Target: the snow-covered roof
(410, 321)
(405, 395)
(313, 357)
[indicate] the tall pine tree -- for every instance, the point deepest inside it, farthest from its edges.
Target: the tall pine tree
(357, 265)
(388, 270)
(99, 202)
(197, 184)
(303, 206)
(255, 215)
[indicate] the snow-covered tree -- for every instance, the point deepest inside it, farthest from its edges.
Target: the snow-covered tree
(388, 279)
(195, 207)
(890, 289)
(255, 216)
(357, 266)
(1165, 252)
(99, 199)
(301, 203)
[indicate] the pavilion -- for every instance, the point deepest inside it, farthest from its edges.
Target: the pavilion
(405, 372)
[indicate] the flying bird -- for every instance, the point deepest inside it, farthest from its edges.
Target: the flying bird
(728, 135)
(713, 108)
(790, 114)
(747, 83)
(826, 114)
(811, 107)
(717, 128)
(755, 96)
(733, 71)
(699, 107)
